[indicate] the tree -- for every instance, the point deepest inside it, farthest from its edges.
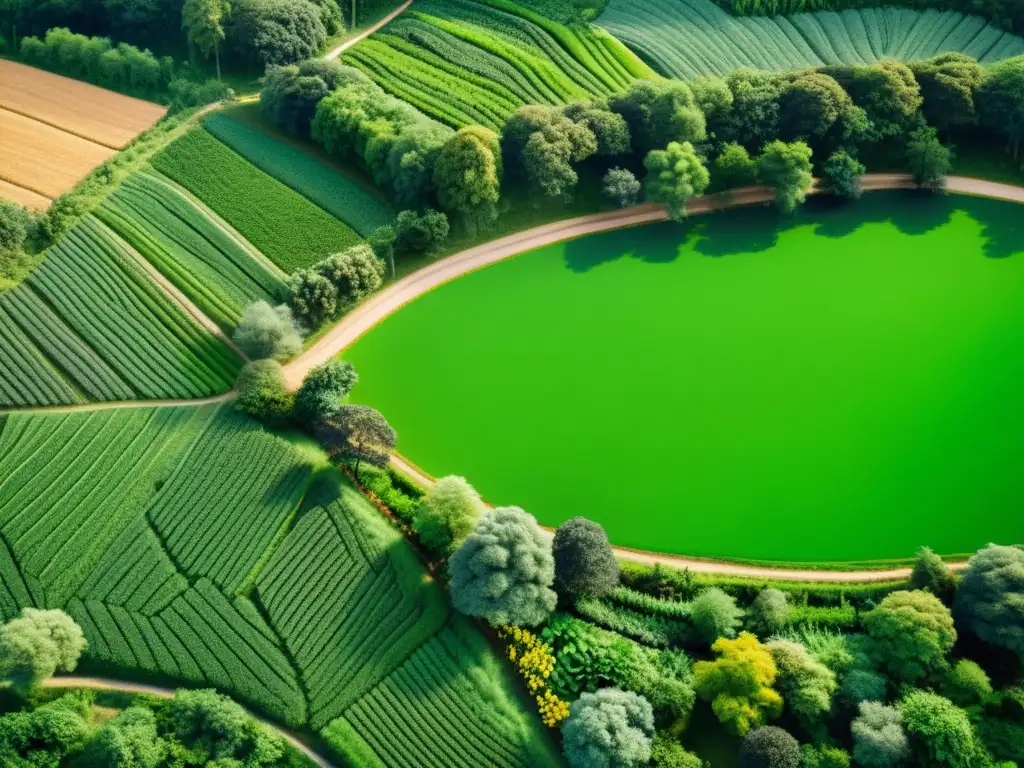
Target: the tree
(17, 226)
(504, 570)
(355, 272)
(609, 128)
(262, 391)
(714, 99)
(939, 732)
(811, 105)
(267, 333)
(733, 168)
(38, 644)
(202, 21)
(447, 514)
(666, 753)
(216, 728)
(420, 234)
(967, 685)
(543, 144)
(805, 684)
(769, 611)
(932, 575)
(43, 736)
(584, 562)
(129, 740)
(621, 187)
(786, 168)
(674, 176)
(927, 159)
(822, 756)
(739, 683)
(841, 175)
(659, 113)
(911, 633)
(990, 600)
(1000, 101)
(878, 737)
(714, 614)
(324, 389)
(276, 31)
(312, 297)
(382, 240)
(860, 685)
(769, 747)
(466, 175)
(411, 160)
(888, 93)
(754, 115)
(357, 432)
(291, 93)
(608, 729)
(948, 82)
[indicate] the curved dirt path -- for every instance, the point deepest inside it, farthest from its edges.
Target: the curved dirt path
(105, 684)
(336, 52)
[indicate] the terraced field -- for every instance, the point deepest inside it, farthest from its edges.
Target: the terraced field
(193, 545)
(689, 38)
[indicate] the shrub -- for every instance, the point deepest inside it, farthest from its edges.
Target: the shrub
(927, 159)
(382, 240)
(666, 753)
(738, 683)
(932, 575)
(584, 562)
(323, 391)
(786, 168)
(41, 737)
(805, 684)
(822, 756)
(841, 175)
(262, 391)
(355, 272)
(621, 187)
(940, 733)
(312, 297)
(674, 176)
(715, 614)
(504, 570)
(216, 728)
(861, 685)
(467, 175)
(267, 332)
(447, 514)
(769, 747)
(990, 600)
(911, 633)
(769, 612)
(38, 644)
(608, 728)
(878, 737)
(420, 234)
(129, 740)
(967, 685)
(733, 168)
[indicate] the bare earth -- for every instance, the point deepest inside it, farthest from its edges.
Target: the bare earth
(336, 52)
(23, 196)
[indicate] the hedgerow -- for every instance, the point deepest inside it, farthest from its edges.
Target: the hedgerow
(286, 227)
(337, 194)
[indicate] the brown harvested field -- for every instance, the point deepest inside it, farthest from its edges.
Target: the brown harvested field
(43, 159)
(23, 196)
(93, 113)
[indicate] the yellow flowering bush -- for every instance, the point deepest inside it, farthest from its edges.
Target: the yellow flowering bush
(534, 661)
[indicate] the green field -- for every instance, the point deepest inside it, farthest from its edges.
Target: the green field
(688, 38)
(842, 385)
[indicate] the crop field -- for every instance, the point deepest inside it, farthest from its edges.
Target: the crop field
(464, 62)
(132, 521)
(88, 317)
(101, 116)
(190, 248)
(43, 159)
(286, 227)
(337, 194)
(689, 38)
(22, 196)
(847, 369)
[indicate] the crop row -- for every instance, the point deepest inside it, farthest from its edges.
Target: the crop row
(13, 592)
(337, 194)
(28, 378)
(287, 228)
(689, 38)
(236, 478)
(186, 246)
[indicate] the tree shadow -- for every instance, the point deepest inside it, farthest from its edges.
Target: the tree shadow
(1002, 226)
(912, 212)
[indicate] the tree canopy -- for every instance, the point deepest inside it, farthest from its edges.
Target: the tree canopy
(878, 737)
(674, 176)
(267, 332)
(447, 514)
(990, 600)
(324, 390)
(806, 685)
(911, 633)
(739, 683)
(787, 169)
(608, 729)
(769, 747)
(38, 644)
(939, 732)
(584, 562)
(715, 614)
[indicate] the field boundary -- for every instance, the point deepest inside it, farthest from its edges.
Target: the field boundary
(106, 684)
(336, 52)
(82, 136)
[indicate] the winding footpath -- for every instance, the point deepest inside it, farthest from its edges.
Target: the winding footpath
(336, 52)
(105, 684)
(368, 314)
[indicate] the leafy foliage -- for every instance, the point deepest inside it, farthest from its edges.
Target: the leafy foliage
(769, 747)
(447, 514)
(674, 176)
(879, 740)
(738, 683)
(841, 175)
(36, 645)
(263, 391)
(323, 391)
(769, 611)
(585, 565)
(940, 733)
(911, 633)
(786, 168)
(357, 432)
(805, 684)
(621, 187)
(608, 728)
(932, 575)
(990, 601)
(715, 614)
(420, 234)
(267, 333)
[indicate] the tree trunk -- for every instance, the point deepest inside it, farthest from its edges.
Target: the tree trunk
(216, 56)
(354, 2)
(391, 263)
(357, 468)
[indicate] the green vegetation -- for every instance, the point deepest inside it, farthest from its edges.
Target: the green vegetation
(337, 194)
(191, 249)
(690, 38)
(66, 337)
(767, 359)
(286, 227)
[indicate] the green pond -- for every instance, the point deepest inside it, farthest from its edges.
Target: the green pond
(846, 384)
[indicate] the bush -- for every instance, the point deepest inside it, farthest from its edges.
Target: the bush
(585, 565)
(878, 737)
(323, 391)
(417, 234)
(504, 570)
(940, 733)
(911, 633)
(447, 514)
(733, 168)
(312, 297)
(610, 728)
(805, 684)
(769, 612)
(216, 728)
(967, 685)
(267, 333)
(933, 575)
(823, 757)
(739, 683)
(355, 273)
(715, 614)
(621, 187)
(841, 175)
(276, 31)
(990, 600)
(38, 644)
(674, 176)
(666, 753)
(263, 392)
(769, 747)
(786, 168)
(927, 159)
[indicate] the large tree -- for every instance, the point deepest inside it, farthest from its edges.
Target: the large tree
(675, 175)
(584, 562)
(940, 733)
(267, 333)
(312, 297)
(659, 113)
(948, 83)
(129, 740)
(544, 145)
(609, 128)
(990, 600)
(276, 31)
(610, 728)
(466, 175)
(355, 273)
(879, 740)
(841, 175)
(1000, 101)
(927, 159)
(36, 645)
(358, 432)
(323, 390)
(447, 514)
(203, 21)
(787, 169)
(769, 747)
(754, 114)
(504, 570)
(911, 633)
(739, 683)
(932, 575)
(806, 685)
(219, 729)
(811, 105)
